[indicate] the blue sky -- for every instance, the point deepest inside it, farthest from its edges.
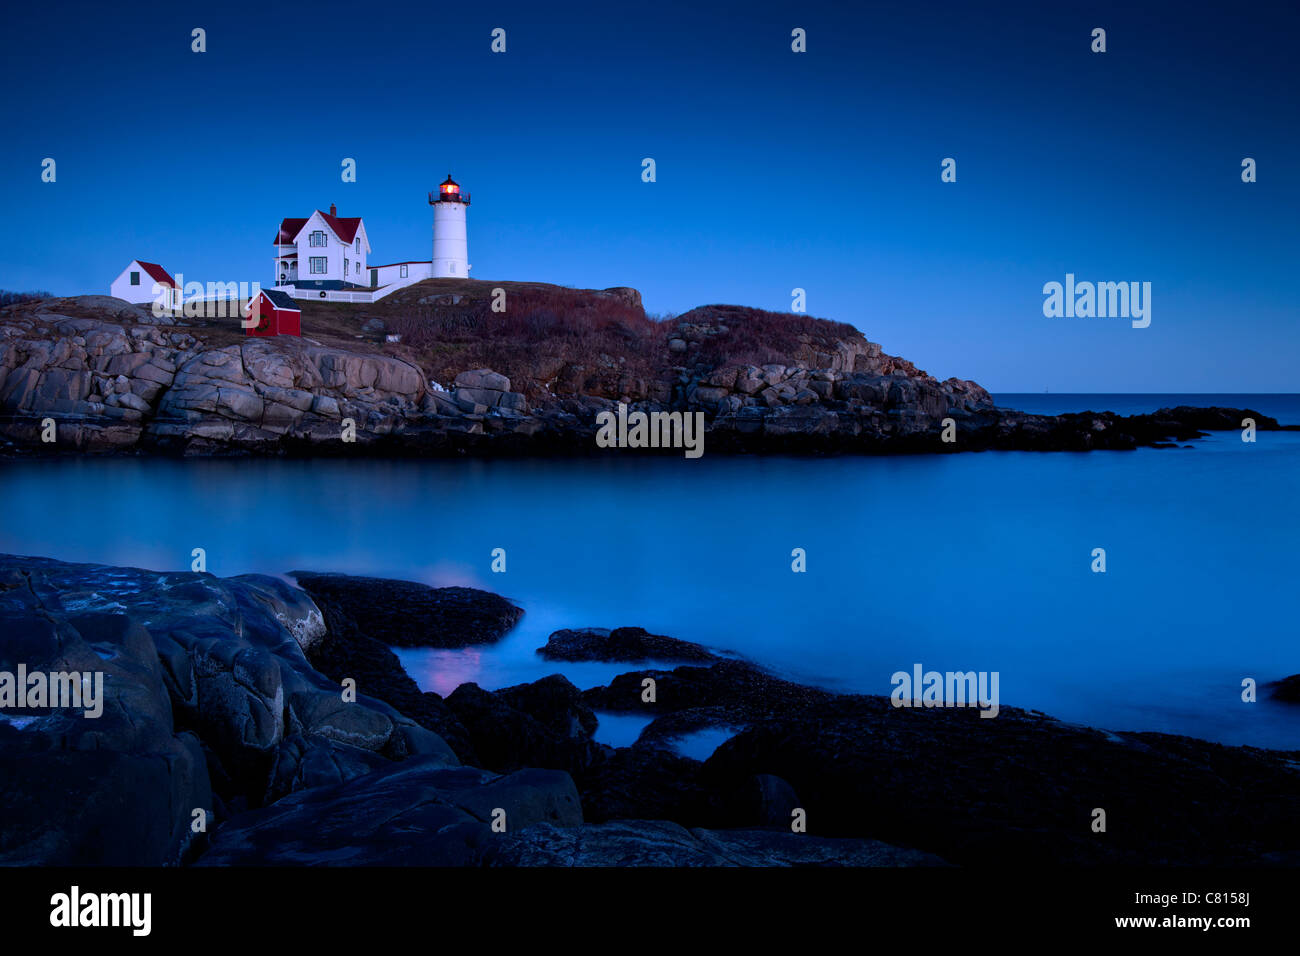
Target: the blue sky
(775, 170)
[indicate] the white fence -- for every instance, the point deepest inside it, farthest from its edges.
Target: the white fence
(336, 295)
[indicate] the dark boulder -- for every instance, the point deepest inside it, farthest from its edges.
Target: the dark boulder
(1020, 788)
(648, 783)
(414, 813)
(730, 691)
(409, 614)
(555, 703)
(118, 787)
(526, 726)
(623, 644)
(196, 668)
(345, 652)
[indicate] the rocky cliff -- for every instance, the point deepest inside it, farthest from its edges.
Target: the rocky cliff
(112, 377)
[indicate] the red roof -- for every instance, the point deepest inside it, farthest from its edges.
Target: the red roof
(157, 273)
(288, 229)
(345, 229)
(279, 300)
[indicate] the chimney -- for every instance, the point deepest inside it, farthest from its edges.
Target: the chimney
(333, 210)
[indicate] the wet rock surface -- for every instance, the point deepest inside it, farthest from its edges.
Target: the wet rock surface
(206, 690)
(223, 695)
(409, 614)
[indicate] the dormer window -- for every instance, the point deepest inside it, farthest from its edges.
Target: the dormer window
(318, 238)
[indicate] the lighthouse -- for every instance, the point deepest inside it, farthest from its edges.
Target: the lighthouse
(450, 246)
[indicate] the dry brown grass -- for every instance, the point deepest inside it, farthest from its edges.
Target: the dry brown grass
(593, 341)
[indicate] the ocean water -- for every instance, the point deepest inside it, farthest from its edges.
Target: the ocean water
(958, 562)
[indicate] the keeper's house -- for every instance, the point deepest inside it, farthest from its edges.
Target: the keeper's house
(323, 251)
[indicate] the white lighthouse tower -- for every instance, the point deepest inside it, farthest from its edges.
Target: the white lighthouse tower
(450, 246)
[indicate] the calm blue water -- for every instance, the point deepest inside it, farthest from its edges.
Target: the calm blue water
(958, 562)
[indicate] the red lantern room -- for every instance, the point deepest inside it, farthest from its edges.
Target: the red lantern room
(449, 191)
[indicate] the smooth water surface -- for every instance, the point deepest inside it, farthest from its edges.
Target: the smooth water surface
(957, 562)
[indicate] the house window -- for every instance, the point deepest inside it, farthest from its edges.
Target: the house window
(318, 238)
(318, 265)
(356, 268)
(358, 246)
(345, 268)
(404, 268)
(453, 268)
(135, 278)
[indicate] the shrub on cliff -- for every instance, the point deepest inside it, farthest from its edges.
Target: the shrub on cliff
(541, 328)
(17, 298)
(741, 335)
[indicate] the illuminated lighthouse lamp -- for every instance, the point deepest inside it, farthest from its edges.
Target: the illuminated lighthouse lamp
(450, 244)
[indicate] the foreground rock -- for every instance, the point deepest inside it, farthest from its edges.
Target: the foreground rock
(114, 378)
(416, 813)
(1022, 789)
(93, 791)
(658, 843)
(209, 704)
(542, 724)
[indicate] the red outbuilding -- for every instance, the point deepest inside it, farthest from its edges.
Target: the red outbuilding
(277, 314)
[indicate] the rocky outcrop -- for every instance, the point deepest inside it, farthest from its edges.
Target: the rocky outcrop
(345, 652)
(543, 724)
(1287, 690)
(218, 741)
(730, 692)
(410, 614)
(623, 644)
(112, 384)
(210, 705)
(860, 767)
(481, 390)
(1023, 787)
(112, 377)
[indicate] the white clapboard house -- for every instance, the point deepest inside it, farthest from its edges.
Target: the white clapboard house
(143, 283)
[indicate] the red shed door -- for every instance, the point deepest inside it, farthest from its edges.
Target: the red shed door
(265, 315)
